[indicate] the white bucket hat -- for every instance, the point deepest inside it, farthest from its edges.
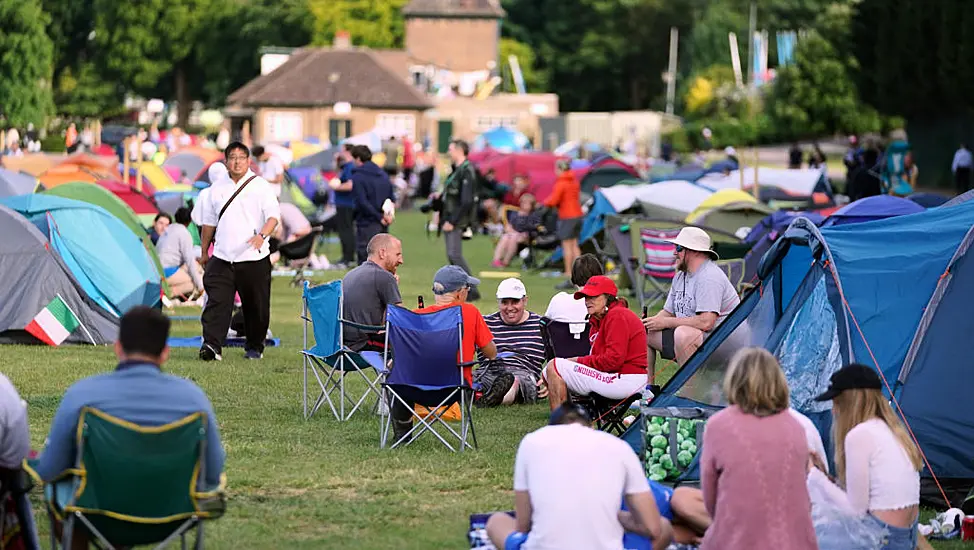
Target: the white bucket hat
(694, 238)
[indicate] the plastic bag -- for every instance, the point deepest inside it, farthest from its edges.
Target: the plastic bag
(837, 525)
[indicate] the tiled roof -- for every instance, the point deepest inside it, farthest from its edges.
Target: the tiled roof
(325, 76)
(454, 8)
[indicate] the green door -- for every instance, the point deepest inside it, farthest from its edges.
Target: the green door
(339, 129)
(444, 133)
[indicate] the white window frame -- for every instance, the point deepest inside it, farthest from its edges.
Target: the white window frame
(283, 126)
(396, 125)
(486, 122)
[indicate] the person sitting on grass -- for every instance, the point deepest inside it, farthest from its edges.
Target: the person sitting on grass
(514, 376)
(569, 482)
(451, 287)
(522, 223)
(617, 366)
(137, 391)
(178, 258)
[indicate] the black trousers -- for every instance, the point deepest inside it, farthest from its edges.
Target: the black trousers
(345, 219)
(364, 234)
(962, 179)
(252, 280)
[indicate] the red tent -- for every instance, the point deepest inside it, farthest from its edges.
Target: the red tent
(539, 167)
(137, 201)
(605, 172)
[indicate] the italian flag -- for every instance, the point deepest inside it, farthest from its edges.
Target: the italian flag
(54, 323)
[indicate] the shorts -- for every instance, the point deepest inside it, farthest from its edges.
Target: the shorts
(515, 540)
(662, 494)
(583, 380)
(897, 538)
(569, 229)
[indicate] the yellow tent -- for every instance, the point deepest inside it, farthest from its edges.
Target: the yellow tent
(301, 149)
(157, 176)
(729, 210)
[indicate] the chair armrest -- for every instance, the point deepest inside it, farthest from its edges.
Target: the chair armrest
(213, 503)
(363, 328)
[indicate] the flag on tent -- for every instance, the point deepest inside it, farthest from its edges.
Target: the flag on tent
(54, 323)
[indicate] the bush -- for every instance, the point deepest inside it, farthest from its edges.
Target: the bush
(53, 143)
(756, 130)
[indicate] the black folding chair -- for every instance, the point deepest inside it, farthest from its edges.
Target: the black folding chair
(298, 250)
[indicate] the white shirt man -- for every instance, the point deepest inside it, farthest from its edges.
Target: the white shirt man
(569, 483)
(239, 263)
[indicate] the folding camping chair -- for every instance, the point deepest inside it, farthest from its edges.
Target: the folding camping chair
(658, 265)
(15, 485)
(565, 340)
(323, 307)
(298, 252)
(134, 485)
(427, 371)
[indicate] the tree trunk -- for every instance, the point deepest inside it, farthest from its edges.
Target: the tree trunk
(182, 96)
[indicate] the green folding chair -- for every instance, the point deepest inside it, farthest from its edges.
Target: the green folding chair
(136, 485)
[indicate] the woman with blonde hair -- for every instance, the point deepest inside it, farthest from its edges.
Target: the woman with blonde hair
(754, 463)
(876, 460)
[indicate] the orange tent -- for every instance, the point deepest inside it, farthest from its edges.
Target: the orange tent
(101, 164)
(67, 173)
(33, 164)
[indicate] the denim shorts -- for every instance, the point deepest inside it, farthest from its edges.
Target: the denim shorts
(897, 538)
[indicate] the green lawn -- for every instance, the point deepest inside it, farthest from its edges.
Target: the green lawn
(320, 483)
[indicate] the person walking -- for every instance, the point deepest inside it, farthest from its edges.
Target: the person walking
(459, 207)
(961, 167)
(371, 188)
(239, 216)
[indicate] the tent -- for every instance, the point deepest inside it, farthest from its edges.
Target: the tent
(774, 183)
(322, 160)
(302, 149)
(665, 200)
(192, 161)
(371, 139)
(139, 202)
(502, 139)
(34, 164)
(16, 183)
(95, 163)
(603, 174)
(539, 167)
(877, 207)
(158, 177)
(928, 200)
(108, 261)
(729, 210)
(882, 293)
(33, 275)
(99, 196)
(765, 233)
(66, 173)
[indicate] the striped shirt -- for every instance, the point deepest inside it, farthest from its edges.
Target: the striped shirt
(523, 340)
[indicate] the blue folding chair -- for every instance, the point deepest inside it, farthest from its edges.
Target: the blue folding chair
(329, 360)
(426, 370)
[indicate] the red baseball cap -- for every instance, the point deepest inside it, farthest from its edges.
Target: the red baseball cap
(596, 286)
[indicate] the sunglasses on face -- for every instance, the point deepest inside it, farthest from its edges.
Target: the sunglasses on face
(679, 249)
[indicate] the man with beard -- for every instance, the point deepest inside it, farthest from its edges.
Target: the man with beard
(368, 289)
(700, 298)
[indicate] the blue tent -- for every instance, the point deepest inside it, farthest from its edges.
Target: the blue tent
(877, 207)
(928, 200)
(765, 233)
(502, 139)
(106, 258)
(592, 224)
(882, 293)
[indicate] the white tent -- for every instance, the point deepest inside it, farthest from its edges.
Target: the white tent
(799, 183)
(663, 197)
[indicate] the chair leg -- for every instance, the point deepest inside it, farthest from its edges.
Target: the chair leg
(67, 531)
(199, 535)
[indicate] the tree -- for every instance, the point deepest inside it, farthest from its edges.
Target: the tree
(26, 62)
(535, 80)
(141, 43)
(372, 23)
(86, 94)
(914, 60)
(816, 95)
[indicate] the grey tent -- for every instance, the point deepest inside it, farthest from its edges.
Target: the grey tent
(15, 183)
(32, 274)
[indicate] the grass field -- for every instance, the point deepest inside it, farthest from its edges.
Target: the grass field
(320, 483)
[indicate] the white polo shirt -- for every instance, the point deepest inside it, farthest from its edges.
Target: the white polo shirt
(243, 219)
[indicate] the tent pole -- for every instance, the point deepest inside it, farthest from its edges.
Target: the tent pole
(138, 176)
(757, 194)
(125, 159)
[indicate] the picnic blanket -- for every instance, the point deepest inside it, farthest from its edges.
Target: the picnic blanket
(230, 342)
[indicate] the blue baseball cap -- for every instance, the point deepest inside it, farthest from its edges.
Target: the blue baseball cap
(452, 278)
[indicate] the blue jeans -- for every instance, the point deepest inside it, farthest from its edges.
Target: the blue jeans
(897, 538)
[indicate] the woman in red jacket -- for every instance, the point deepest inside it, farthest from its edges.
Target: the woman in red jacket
(617, 366)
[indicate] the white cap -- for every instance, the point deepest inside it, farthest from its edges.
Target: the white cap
(695, 238)
(730, 151)
(511, 288)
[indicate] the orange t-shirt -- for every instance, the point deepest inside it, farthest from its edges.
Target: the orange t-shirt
(566, 196)
(476, 333)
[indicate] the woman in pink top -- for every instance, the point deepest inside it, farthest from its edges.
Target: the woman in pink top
(755, 460)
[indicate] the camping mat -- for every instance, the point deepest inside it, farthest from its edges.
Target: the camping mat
(231, 342)
(185, 317)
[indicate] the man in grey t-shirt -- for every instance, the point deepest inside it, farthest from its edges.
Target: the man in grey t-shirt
(700, 298)
(369, 289)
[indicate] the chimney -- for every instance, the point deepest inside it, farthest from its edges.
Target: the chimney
(343, 40)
